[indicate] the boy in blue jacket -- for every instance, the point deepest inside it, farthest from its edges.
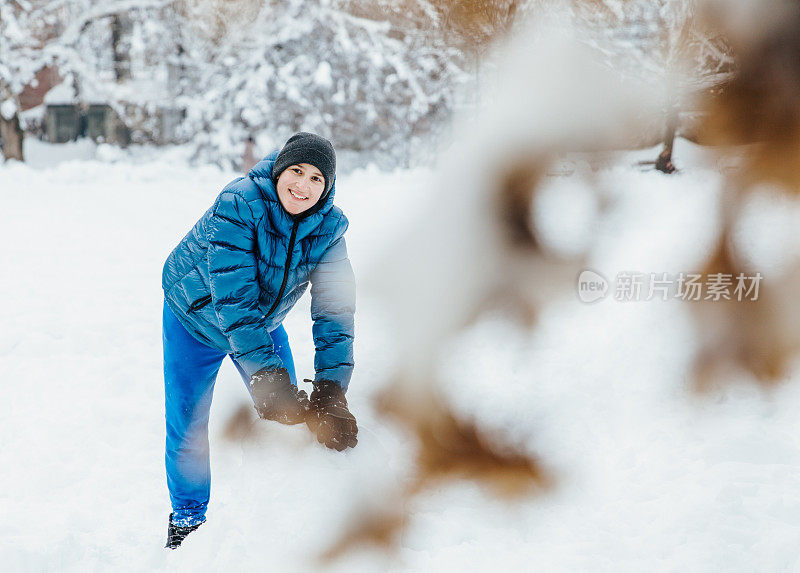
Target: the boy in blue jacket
(228, 286)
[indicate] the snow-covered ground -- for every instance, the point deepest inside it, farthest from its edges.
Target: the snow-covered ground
(649, 475)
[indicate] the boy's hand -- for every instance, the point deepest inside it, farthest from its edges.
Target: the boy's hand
(276, 398)
(329, 418)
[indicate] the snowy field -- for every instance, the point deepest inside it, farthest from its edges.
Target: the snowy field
(649, 476)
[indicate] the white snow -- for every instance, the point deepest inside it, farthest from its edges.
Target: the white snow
(8, 108)
(323, 76)
(649, 475)
(767, 235)
(63, 93)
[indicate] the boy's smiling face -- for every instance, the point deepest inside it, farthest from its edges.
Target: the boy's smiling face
(300, 187)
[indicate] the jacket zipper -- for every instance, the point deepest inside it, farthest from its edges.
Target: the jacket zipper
(200, 303)
(286, 269)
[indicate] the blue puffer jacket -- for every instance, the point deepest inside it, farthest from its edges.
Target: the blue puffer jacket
(246, 262)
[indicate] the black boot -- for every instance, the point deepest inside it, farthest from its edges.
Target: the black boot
(176, 534)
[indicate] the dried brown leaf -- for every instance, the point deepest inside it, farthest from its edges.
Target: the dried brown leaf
(241, 425)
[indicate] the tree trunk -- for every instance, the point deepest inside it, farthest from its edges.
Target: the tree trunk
(122, 61)
(664, 161)
(11, 136)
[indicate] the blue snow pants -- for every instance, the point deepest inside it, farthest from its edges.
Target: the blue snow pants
(190, 370)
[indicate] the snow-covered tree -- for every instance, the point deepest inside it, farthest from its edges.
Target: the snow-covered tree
(23, 31)
(376, 84)
(87, 42)
(666, 41)
(373, 87)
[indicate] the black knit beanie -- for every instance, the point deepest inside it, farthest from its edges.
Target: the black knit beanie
(304, 147)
